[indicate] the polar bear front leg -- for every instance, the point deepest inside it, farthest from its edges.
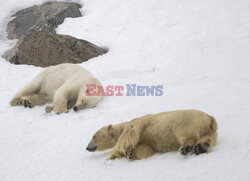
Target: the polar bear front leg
(59, 103)
(129, 139)
(31, 88)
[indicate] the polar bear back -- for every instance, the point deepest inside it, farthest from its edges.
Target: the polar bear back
(54, 77)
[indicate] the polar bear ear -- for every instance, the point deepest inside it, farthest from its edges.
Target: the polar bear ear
(111, 131)
(109, 127)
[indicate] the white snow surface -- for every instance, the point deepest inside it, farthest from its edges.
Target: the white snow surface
(198, 50)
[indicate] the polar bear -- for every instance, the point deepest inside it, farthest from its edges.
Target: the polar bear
(64, 84)
(190, 131)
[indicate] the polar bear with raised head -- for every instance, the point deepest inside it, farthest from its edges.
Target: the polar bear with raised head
(64, 85)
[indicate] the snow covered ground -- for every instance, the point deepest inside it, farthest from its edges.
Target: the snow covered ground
(198, 50)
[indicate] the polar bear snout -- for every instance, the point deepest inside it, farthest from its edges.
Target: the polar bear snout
(91, 149)
(92, 146)
(75, 108)
(78, 107)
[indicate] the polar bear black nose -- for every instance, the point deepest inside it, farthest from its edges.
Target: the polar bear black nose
(91, 149)
(75, 108)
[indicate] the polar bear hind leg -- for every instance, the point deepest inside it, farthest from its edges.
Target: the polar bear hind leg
(31, 89)
(205, 143)
(33, 100)
(198, 145)
(187, 139)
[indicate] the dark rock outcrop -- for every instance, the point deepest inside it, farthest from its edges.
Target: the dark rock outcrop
(40, 18)
(39, 45)
(44, 49)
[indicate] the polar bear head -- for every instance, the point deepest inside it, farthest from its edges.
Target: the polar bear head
(104, 138)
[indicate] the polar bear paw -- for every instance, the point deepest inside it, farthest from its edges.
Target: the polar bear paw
(112, 157)
(49, 108)
(22, 102)
(115, 154)
(200, 148)
(27, 103)
(57, 109)
(16, 102)
(185, 150)
(130, 153)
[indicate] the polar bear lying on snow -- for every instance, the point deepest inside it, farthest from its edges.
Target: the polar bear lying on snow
(64, 84)
(190, 131)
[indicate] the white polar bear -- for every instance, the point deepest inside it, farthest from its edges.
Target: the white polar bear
(64, 84)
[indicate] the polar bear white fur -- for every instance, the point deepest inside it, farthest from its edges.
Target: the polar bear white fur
(64, 84)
